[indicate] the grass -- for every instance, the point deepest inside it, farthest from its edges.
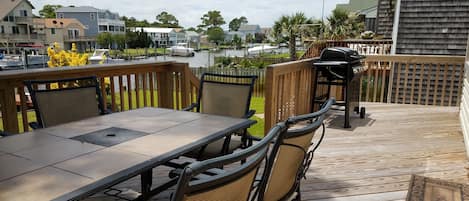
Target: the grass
(257, 103)
(283, 55)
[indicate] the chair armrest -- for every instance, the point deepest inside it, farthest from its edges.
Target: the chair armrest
(34, 125)
(249, 114)
(191, 107)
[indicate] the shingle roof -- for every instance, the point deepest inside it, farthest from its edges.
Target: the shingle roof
(49, 22)
(248, 27)
(81, 9)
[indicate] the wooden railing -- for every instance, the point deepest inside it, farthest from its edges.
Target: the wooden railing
(403, 79)
(364, 47)
(288, 88)
(163, 84)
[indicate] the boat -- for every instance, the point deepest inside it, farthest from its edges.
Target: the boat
(102, 56)
(181, 49)
(262, 49)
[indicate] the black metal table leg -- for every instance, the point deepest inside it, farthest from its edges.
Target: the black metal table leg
(146, 182)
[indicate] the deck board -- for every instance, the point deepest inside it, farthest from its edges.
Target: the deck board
(374, 159)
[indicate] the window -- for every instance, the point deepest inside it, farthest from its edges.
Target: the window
(15, 30)
(92, 16)
(11, 19)
(2, 29)
(52, 31)
(111, 28)
(23, 13)
(122, 29)
(73, 33)
(61, 15)
(102, 28)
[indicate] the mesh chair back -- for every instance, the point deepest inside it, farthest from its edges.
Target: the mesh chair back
(72, 100)
(225, 95)
(289, 157)
(233, 184)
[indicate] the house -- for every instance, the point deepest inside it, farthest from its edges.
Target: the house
(65, 31)
(95, 20)
(425, 27)
(229, 35)
(163, 37)
(365, 9)
(251, 29)
(16, 27)
(193, 38)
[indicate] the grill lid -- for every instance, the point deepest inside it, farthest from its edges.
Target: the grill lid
(340, 54)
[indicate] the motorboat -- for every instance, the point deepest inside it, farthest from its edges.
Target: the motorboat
(262, 49)
(102, 56)
(181, 50)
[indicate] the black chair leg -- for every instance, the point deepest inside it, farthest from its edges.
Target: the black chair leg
(146, 182)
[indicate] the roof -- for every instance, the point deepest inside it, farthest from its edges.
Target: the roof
(80, 9)
(249, 27)
(49, 22)
(357, 5)
(371, 12)
(9, 5)
(192, 33)
(155, 29)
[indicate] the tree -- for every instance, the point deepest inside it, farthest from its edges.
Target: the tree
(237, 42)
(104, 39)
(288, 28)
(216, 35)
(138, 39)
(166, 19)
(343, 24)
(48, 11)
(237, 22)
(212, 19)
(119, 39)
(132, 22)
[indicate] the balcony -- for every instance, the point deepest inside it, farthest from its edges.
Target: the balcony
(412, 126)
(79, 38)
(23, 20)
(23, 37)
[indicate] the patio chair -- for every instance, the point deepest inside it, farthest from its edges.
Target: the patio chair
(229, 184)
(65, 100)
(226, 95)
(290, 157)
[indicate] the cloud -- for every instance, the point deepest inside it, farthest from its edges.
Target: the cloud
(189, 12)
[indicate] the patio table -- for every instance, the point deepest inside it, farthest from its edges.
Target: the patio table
(78, 159)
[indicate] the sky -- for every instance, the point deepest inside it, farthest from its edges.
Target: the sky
(189, 12)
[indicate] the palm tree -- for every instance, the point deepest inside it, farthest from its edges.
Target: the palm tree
(343, 24)
(288, 28)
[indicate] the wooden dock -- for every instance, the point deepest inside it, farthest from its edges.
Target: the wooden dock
(374, 159)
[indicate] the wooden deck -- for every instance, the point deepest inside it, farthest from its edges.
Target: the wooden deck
(373, 160)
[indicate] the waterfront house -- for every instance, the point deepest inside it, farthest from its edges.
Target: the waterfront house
(16, 27)
(65, 31)
(95, 20)
(163, 37)
(252, 29)
(365, 9)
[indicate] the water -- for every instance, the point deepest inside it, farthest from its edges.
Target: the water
(205, 58)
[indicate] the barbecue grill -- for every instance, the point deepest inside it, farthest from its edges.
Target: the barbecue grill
(340, 66)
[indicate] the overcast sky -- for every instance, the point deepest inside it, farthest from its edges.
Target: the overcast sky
(189, 12)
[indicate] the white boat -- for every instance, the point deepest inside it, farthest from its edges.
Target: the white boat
(181, 50)
(262, 49)
(103, 55)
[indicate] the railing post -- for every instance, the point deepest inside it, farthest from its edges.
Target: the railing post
(8, 108)
(186, 85)
(270, 99)
(165, 84)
